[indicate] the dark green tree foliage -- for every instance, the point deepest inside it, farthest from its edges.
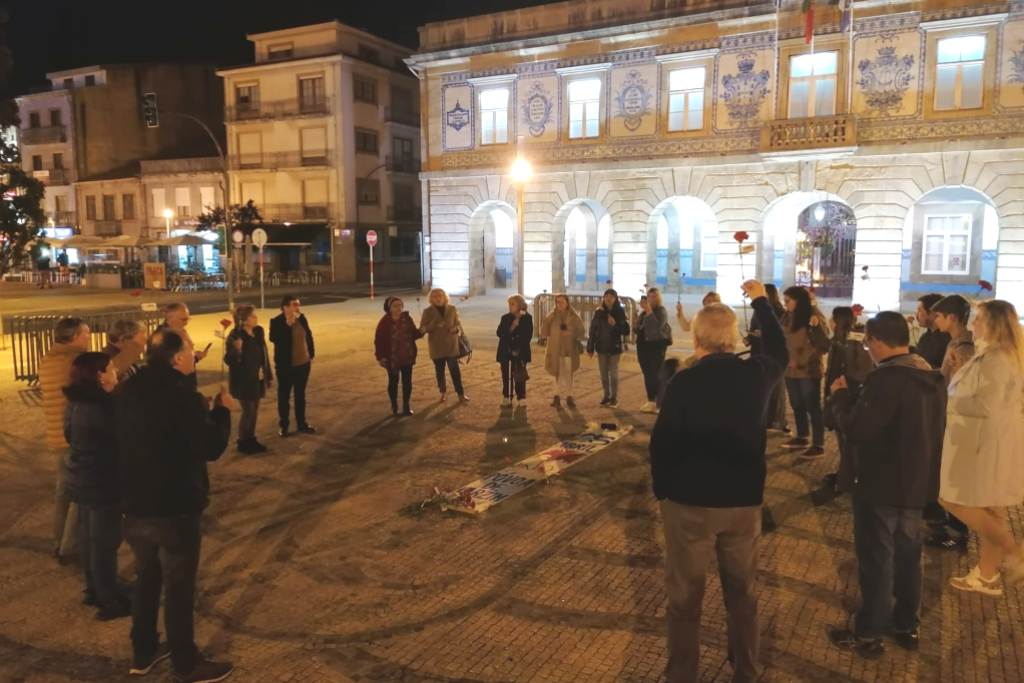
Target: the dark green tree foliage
(21, 195)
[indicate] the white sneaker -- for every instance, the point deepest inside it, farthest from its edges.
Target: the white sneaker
(522, 403)
(506, 403)
(614, 403)
(974, 583)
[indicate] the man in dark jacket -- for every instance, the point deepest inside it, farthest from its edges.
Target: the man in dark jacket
(932, 344)
(166, 433)
(293, 356)
(708, 469)
(607, 329)
(895, 429)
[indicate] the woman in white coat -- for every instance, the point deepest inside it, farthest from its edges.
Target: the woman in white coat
(983, 450)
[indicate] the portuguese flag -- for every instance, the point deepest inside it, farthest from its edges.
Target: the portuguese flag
(808, 10)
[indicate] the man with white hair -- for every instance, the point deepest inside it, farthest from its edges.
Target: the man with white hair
(708, 469)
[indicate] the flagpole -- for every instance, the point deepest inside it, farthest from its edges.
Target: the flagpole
(849, 70)
(778, 12)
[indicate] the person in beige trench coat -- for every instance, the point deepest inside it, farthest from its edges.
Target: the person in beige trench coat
(440, 322)
(982, 454)
(564, 330)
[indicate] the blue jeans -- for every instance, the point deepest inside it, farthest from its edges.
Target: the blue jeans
(99, 536)
(888, 545)
(805, 397)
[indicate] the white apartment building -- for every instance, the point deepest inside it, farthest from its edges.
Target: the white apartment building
(323, 136)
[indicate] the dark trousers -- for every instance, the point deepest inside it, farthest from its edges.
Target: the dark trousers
(651, 356)
(394, 374)
(513, 378)
(888, 546)
(99, 536)
(805, 398)
(453, 368)
(166, 553)
(247, 422)
(288, 379)
(939, 518)
(692, 536)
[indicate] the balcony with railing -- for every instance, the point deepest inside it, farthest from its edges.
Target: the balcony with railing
(62, 218)
(820, 132)
(277, 160)
(44, 136)
(404, 213)
(107, 227)
(276, 109)
(296, 213)
(52, 176)
(402, 164)
(402, 115)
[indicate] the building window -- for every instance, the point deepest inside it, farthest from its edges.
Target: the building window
(404, 247)
(56, 117)
(250, 150)
(58, 160)
(128, 207)
(311, 93)
(708, 250)
(108, 207)
(368, 191)
(183, 202)
(69, 84)
(364, 90)
(494, 116)
(947, 245)
(313, 142)
(960, 73)
(159, 202)
(37, 162)
(90, 79)
(812, 85)
(584, 108)
(686, 99)
(90, 207)
(366, 141)
(368, 54)
(60, 204)
(207, 198)
(33, 119)
(285, 51)
(247, 97)
(402, 148)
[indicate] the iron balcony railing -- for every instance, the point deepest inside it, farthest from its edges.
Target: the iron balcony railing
(295, 213)
(818, 132)
(44, 135)
(107, 227)
(402, 164)
(277, 109)
(402, 115)
(404, 213)
(276, 160)
(63, 218)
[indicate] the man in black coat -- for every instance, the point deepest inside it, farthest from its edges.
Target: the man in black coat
(708, 469)
(895, 428)
(293, 357)
(166, 433)
(932, 344)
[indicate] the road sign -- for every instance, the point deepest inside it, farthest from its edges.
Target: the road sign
(371, 237)
(238, 236)
(150, 114)
(259, 237)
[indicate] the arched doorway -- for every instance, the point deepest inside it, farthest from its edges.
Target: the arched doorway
(583, 243)
(825, 249)
(491, 248)
(682, 245)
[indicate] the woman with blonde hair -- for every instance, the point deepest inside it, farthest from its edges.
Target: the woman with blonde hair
(982, 458)
(564, 330)
(440, 322)
(514, 334)
(653, 337)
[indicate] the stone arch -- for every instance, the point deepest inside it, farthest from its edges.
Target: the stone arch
(682, 245)
(581, 247)
(491, 247)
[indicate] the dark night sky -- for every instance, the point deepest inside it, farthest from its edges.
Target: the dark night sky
(49, 35)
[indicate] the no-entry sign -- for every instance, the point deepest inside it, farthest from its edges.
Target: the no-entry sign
(371, 237)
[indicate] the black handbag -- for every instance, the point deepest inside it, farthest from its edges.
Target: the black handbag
(465, 348)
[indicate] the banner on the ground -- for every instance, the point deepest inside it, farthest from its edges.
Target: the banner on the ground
(479, 495)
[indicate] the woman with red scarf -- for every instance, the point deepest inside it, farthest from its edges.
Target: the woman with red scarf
(395, 348)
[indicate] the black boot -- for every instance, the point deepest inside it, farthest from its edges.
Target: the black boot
(394, 407)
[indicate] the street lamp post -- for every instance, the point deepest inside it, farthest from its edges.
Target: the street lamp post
(168, 215)
(521, 172)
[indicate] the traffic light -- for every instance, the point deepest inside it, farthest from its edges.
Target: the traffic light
(149, 111)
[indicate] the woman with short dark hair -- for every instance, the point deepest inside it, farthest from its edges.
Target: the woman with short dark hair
(806, 341)
(92, 480)
(395, 349)
(249, 374)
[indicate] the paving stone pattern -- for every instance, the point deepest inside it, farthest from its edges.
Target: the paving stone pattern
(320, 565)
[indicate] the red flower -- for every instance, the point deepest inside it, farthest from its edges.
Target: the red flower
(857, 310)
(225, 323)
(985, 285)
(740, 236)
(136, 292)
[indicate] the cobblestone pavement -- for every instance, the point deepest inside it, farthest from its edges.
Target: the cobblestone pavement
(320, 565)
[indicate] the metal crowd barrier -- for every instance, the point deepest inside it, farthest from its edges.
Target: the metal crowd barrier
(585, 305)
(32, 336)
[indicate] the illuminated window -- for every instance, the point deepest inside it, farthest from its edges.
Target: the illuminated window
(708, 248)
(247, 97)
(686, 99)
(812, 85)
(584, 108)
(494, 116)
(960, 73)
(947, 245)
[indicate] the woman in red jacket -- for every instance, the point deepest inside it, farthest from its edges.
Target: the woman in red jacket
(395, 345)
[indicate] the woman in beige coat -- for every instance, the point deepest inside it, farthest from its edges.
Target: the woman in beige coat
(440, 322)
(563, 328)
(982, 453)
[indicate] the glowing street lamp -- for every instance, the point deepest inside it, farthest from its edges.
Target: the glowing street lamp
(168, 215)
(521, 173)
